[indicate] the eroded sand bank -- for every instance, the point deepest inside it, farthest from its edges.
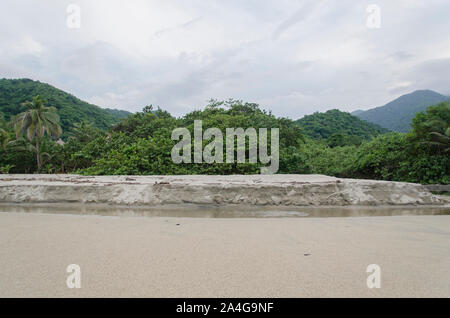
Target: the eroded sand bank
(200, 257)
(283, 190)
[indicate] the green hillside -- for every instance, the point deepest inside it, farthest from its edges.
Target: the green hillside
(13, 92)
(335, 123)
(397, 115)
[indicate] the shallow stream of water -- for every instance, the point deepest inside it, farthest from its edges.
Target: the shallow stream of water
(208, 211)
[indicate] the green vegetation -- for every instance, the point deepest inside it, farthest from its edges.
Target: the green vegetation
(4, 135)
(34, 123)
(397, 115)
(432, 128)
(13, 93)
(340, 128)
(142, 144)
(441, 193)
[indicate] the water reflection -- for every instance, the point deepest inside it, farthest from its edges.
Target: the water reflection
(199, 211)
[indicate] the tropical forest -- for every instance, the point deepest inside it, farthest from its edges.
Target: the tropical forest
(46, 130)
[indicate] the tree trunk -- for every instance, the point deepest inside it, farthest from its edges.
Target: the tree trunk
(38, 160)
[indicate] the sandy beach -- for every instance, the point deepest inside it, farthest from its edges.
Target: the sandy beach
(205, 257)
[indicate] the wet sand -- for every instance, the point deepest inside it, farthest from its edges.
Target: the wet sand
(124, 256)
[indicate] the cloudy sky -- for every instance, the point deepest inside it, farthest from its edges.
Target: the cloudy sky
(292, 57)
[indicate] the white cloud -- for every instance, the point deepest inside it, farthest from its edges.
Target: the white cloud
(292, 57)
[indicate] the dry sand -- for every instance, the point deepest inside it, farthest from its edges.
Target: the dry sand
(200, 257)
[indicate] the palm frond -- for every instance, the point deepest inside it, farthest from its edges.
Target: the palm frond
(439, 137)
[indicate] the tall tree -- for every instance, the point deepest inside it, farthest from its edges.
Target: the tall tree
(433, 127)
(35, 122)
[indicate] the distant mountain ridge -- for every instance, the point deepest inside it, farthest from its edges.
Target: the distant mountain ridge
(13, 92)
(397, 114)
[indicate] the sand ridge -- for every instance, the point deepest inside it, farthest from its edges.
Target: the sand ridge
(281, 190)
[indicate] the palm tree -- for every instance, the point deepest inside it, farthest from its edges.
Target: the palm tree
(440, 139)
(37, 121)
(83, 131)
(438, 133)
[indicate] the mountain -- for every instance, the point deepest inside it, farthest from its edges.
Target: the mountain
(13, 92)
(332, 122)
(397, 115)
(356, 112)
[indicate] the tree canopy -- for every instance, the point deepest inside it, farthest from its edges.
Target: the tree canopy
(142, 144)
(344, 128)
